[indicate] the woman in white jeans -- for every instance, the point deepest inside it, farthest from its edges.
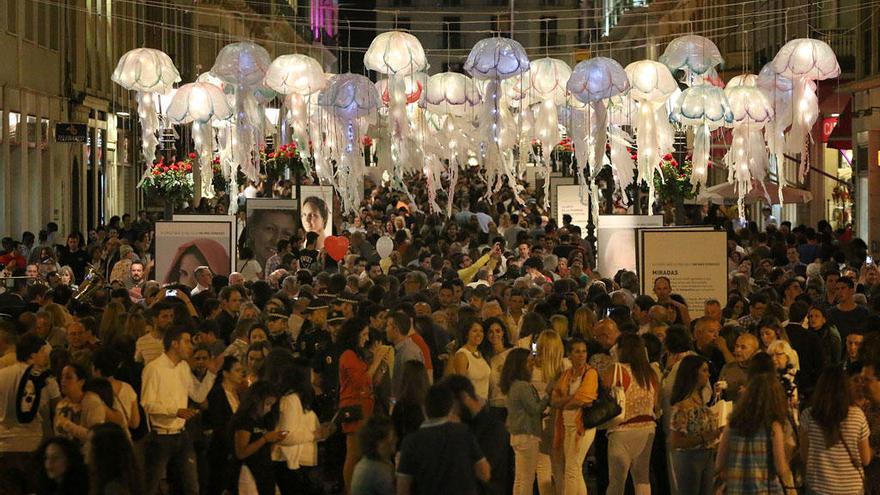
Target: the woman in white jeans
(524, 411)
(630, 442)
(577, 387)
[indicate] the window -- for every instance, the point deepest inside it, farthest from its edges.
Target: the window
(404, 24)
(14, 119)
(54, 26)
(451, 32)
(866, 52)
(401, 3)
(453, 67)
(12, 16)
(549, 27)
(30, 20)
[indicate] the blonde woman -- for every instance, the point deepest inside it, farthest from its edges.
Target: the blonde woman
(60, 316)
(583, 322)
(559, 324)
(550, 362)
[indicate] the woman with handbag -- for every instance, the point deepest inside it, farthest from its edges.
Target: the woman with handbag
(576, 388)
(693, 429)
(356, 374)
(834, 438)
(630, 441)
(525, 409)
(549, 363)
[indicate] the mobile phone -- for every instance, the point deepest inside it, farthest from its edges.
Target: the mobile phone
(534, 348)
(171, 293)
(284, 433)
(869, 260)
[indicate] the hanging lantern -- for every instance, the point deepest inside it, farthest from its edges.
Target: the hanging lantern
(695, 55)
(397, 54)
(651, 85)
(747, 158)
(493, 60)
(353, 104)
(778, 90)
(705, 108)
(547, 81)
(148, 72)
(200, 103)
(804, 61)
(592, 82)
(243, 66)
(296, 76)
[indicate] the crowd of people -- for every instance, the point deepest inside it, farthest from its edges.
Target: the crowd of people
(473, 360)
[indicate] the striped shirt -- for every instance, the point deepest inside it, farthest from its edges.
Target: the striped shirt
(832, 471)
(148, 348)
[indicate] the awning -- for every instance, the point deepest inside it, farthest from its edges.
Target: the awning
(768, 192)
(841, 137)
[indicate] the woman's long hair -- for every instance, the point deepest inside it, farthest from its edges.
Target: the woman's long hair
(515, 368)
(551, 352)
(631, 350)
(349, 336)
(253, 398)
(76, 479)
(830, 403)
(762, 404)
(414, 384)
(686, 378)
(112, 460)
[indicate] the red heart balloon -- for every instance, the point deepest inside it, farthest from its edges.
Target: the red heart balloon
(336, 246)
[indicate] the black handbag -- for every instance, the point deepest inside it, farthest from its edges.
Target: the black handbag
(602, 410)
(350, 414)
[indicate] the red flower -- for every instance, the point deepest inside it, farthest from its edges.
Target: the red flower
(174, 167)
(216, 160)
(192, 156)
(289, 154)
(667, 157)
(271, 155)
(188, 167)
(674, 163)
(157, 172)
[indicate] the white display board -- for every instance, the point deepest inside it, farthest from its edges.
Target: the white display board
(616, 241)
(555, 182)
(694, 261)
(568, 202)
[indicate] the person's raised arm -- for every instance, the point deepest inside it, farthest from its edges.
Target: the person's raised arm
(198, 390)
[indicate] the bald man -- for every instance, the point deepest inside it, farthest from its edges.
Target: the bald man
(602, 345)
(735, 373)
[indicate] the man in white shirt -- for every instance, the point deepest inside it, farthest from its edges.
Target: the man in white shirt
(203, 280)
(150, 346)
(167, 385)
(23, 412)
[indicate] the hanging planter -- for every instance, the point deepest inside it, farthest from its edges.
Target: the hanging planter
(286, 157)
(170, 183)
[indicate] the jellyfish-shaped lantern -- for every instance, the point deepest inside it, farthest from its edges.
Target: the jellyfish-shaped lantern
(778, 90)
(593, 82)
(296, 76)
(705, 108)
(353, 103)
(804, 61)
(149, 73)
(747, 157)
(695, 55)
(397, 54)
(493, 60)
(651, 84)
(200, 103)
(243, 66)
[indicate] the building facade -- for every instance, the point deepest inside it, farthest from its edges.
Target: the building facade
(55, 67)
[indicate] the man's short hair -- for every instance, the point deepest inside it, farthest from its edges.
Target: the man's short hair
(438, 401)
(459, 384)
(847, 281)
(172, 335)
(226, 292)
(28, 345)
(401, 321)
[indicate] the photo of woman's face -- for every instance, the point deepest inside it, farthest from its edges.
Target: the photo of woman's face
(187, 271)
(311, 218)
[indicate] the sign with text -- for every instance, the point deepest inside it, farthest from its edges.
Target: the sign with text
(694, 261)
(68, 132)
(616, 240)
(568, 202)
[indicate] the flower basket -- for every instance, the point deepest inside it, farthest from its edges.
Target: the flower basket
(286, 157)
(673, 184)
(170, 182)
